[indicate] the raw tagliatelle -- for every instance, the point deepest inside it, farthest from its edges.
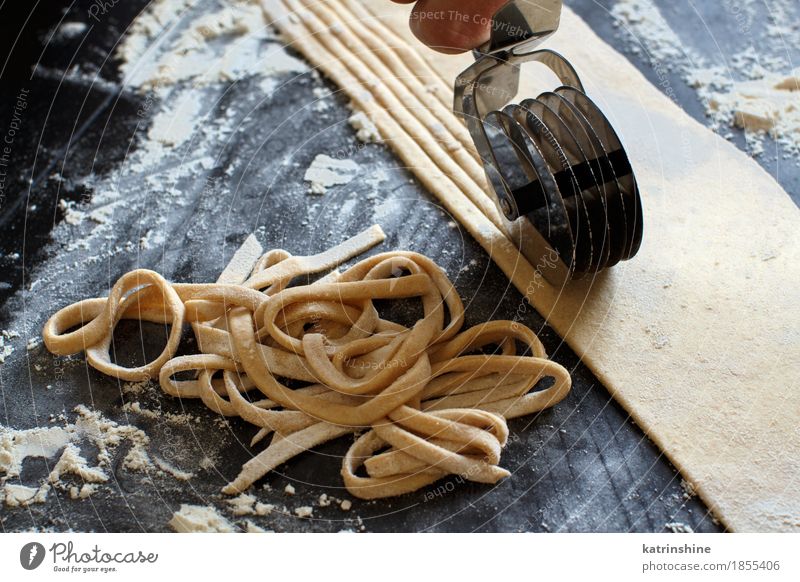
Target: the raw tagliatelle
(431, 399)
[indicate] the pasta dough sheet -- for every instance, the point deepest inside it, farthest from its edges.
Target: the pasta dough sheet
(697, 336)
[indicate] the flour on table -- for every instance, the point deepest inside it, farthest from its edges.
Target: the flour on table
(651, 33)
(304, 511)
(224, 45)
(18, 445)
(135, 387)
(264, 508)
(180, 59)
(137, 459)
(366, 131)
(325, 172)
(182, 419)
(374, 181)
(176, 124)
(84, 492)
(172, 470)
(71, 214)
(768, 105)
(70, 30)
(322, 103)
(47, 442)
(278, 61)
(752, 90)
(6, 349)
(387, 207)
(199, 519)
(72, 462)
(23, 496)
(688, 489)
(268, 85)
(250, 527)
(244, 504)
(678, 527)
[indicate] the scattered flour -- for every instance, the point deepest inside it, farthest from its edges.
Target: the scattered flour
(377, 178)
(72, 462)
(278, 61)
(47, 442)
(71, 214)
(268, 85)
(176, 124)
(250, 527)
(366, 131)
(6, 349)
(151, 239)
(225, 45)
(264, 508)
(180, 59)
(244, 504)
(70, 30)
(199, 519)
(23, 496)
(172, 470)
(107, 435)
(677, 527)
(322, 103)
(135, 387)
(304, 511)
(137, 459)
(326, 171)
(767, 105)
(387, 207)
(651, 33)
(18, 445)
(86, 491)
(753, 89)
(171, 417)
(207, 463)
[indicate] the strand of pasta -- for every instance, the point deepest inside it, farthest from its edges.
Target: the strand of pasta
(432, 403)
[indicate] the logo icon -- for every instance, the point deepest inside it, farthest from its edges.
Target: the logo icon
(31, 555)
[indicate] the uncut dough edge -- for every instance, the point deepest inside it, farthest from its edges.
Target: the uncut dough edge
(663, 332)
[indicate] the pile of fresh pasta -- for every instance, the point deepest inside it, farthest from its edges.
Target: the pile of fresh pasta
(307, 363)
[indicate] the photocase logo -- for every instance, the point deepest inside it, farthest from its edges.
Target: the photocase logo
(31, 555)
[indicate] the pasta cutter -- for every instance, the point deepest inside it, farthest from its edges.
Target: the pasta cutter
(559, 173)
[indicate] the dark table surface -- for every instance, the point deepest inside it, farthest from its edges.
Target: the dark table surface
(582, 466)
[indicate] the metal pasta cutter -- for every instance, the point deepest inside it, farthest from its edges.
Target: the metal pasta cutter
(559, 172)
